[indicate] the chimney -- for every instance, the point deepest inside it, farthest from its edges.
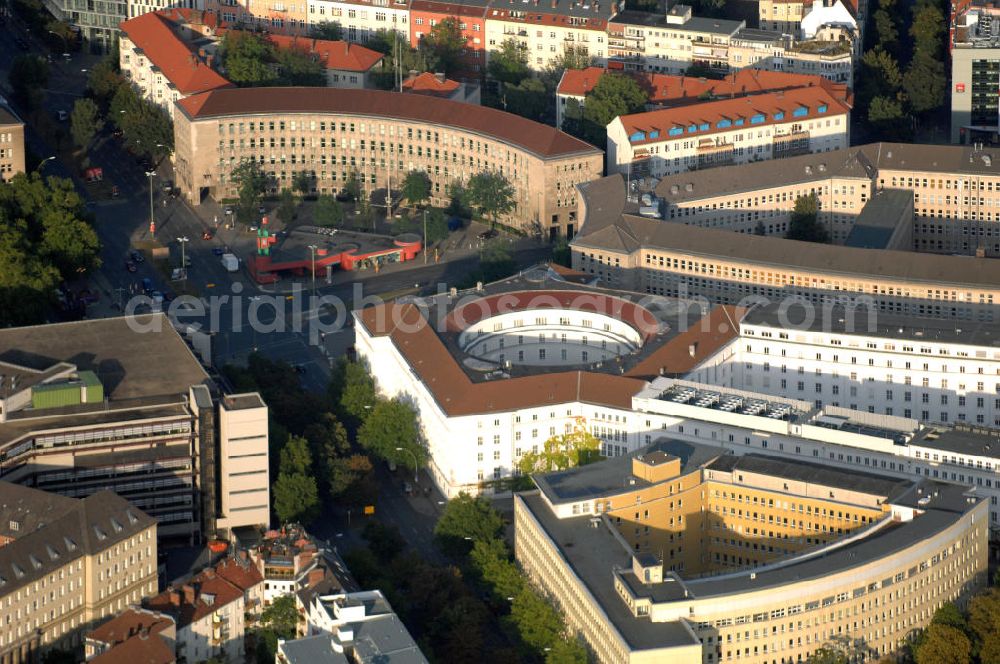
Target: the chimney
(693, 349)
(209, 59)
(440, 77)
(555, 3)
(188, 593)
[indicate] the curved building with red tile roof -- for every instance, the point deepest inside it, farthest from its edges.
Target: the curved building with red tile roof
(379, 136)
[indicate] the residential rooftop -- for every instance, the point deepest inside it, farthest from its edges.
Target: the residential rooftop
(542, 140)
(154, 35)
(718, 26)
(880, 218)
(318, 649)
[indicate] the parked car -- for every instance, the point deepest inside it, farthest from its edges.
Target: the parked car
(147, 285)
(491, 233)
(130, 266)
(168, 186)
(229, 210)
(207, 235)
(262, 210)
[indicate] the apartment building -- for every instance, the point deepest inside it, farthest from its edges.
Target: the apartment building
(275, 16)
(953, 213)
(134, 635)
(867, 540)
(783, 16)
(360, 625)
(668, 91)
(11, 144)
(289, 560)
(770, 125)
(975, 73)
(82, 409)
(347, 65)
(210, 610)
(774, 51)
(163, 54)
(670, 43)
(97, 21)
(471, 17)
(549, 30)
(380, 136)
(65, 564)
(360, 19)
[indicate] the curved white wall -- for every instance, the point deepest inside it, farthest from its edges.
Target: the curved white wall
(549, 337)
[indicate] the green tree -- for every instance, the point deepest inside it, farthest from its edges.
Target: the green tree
(84, 122)
(984, 618)
(495, 262)
(804, 223)
(44, 239)
(577, 447)
(491, 560)
(880, 75)
(416, 187)
(247, 58)
(536, 620)
(390, 425)
(509, 64)
(949, 614)
(927, 30)
(296, 497)
(469, 517)
(827, 655)
(529, 99)
(28, 77)
(491, 193)
(566, 650)
(104, 80)
(303, 182)
(384, 541)
(357, 398)
(943, 644)
(437, 225)
(444, 44)
(287, 206)
(297, 67)
(328, 30)
(327, 211)
(888, 117)
(282, 616)
(614, 95)
(347, 472)
(571, 58)
(352, 187)
(250, 184)
(145, 124)
(925, 82)
(561, 254)
(885, 27)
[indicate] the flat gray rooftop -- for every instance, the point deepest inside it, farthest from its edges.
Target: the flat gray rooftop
(879, 219)
(384, 640)
(961, 439)
(593, 554)
(312, 650)
(881, 325)
(130, 363)
(614, 475)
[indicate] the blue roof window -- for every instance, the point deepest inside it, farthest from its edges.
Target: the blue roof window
(780, 115)
(822, 108)
(757, 119)
(654, 134)
(676, 131)
(722, 124)
(739, 122)
(800, 112)
(692, 128)
(637, 136)
(704, 126)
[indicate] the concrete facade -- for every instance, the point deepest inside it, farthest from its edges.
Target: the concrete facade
(11, 144)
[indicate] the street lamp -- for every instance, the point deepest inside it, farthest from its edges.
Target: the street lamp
(425, 236)
(253, 327)
(403, 449)
(183, 241)
(312, 253)
(152, 219)
(38, 168)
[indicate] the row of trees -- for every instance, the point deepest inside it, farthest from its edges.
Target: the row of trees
(472, 531)
(897, 98)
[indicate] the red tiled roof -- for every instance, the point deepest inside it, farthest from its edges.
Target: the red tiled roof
(339, 55)
(447, 8)
(140, 649)
(767, 105)
(677, 90)
(243, 576)
(543, 140)
(208, 582)
(152, 34)
(429, 84)
(457, 395)
(192, 17)
(128, 623)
